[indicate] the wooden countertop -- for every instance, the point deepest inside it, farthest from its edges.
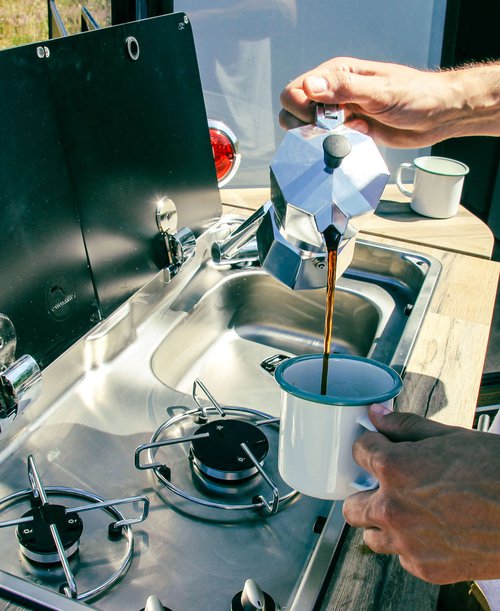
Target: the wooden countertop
(464, 233)
(443, 375)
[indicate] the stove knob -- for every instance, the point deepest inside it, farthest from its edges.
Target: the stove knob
(252, 598)
(153, 603)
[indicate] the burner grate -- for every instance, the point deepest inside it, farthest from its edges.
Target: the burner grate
(208, 444)
(52, 544)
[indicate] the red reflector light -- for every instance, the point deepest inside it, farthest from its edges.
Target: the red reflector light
(225, 150)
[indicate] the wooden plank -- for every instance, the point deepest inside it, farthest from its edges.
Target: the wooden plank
(364, 581)
(466, 288)
(443, 373)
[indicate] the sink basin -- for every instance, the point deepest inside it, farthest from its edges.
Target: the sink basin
(236, 319)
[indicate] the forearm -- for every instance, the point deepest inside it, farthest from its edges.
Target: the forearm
(473, 105)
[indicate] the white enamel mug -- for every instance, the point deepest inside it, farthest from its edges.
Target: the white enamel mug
(317, 431)
(437, 185)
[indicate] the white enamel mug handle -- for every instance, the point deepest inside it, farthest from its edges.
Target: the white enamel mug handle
(399, 172)
(366, 481)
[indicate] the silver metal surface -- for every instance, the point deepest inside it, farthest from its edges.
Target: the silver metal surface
(12, 378)
(329, 116)
(309, 194)
(32, 593)
(50, 558)
(153, 603)
(216, 324)
(43, 52)
(166, 215)
(199, 384)
(240, 498)
(38, 492)
(295, 263)
(274, 505)
(229, 249)
(330, 541)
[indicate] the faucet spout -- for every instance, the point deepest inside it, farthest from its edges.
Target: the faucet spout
(240, 246)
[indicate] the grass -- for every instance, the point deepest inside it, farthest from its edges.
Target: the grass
(25, 21)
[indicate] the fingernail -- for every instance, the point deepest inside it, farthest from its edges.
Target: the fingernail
(317, 84)
(379, 409)
(359, 126)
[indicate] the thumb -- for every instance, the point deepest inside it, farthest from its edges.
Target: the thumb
(404, 426)
(341, 87)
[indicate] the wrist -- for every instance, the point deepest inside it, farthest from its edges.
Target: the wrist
(474, 100)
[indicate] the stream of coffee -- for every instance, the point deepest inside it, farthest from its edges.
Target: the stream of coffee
(332, 241)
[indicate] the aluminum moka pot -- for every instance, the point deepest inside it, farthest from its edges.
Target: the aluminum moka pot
(322, 175)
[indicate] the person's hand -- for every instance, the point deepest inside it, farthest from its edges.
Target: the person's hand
(438, 504)
(396, 105)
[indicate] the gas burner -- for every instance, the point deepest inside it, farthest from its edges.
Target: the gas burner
(226, 451)
(36, 540)
(219, 454)
(49, 533)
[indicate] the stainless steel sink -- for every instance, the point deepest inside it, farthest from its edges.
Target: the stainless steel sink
(235, 319)
(110, 392)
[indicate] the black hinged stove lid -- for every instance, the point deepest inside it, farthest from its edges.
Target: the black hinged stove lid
(132, 115)
(93, 135)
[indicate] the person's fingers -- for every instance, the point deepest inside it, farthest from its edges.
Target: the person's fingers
(396, 137)
(379, 453)
(299, 97)
(360, 125)
(340, 87)
(357, 509)
(375, 453)
(379, 541)
(288, 121)
(294, 100)
(373, 511)
(366, 93)
(404, 426)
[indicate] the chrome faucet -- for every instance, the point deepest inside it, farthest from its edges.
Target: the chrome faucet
(322, 176)
(20, 380)
(180, 245)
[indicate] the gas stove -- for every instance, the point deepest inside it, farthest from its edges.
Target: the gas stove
(220, 516)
